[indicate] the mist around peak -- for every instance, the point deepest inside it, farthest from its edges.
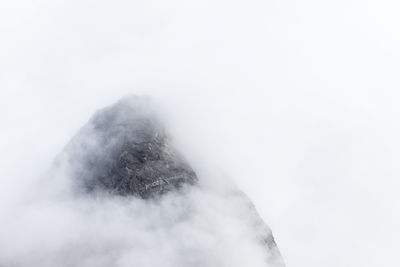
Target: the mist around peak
(74, 218)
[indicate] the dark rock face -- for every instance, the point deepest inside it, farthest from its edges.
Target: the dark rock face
(124, 150)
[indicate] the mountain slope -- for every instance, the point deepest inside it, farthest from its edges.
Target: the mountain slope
(124, 151)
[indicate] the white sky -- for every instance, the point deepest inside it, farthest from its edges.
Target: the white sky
(297, 101)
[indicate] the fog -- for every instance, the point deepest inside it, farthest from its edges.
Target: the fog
(296, 102)
(77, 214)
(196, 228)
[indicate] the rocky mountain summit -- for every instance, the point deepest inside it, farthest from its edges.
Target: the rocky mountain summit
(124, 150)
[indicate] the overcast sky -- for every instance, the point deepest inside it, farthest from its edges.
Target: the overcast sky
(298, 101)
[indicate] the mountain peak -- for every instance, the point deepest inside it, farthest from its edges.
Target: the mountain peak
(124, 149)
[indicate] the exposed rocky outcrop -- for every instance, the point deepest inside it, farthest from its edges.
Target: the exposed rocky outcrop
(124, 150)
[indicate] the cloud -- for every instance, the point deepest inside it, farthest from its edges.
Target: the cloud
(195, 228)
(298, 103)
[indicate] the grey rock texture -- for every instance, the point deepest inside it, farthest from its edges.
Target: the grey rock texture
(124, 150)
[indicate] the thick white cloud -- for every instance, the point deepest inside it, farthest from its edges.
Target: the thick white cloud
(197, 228)
(298, 101)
